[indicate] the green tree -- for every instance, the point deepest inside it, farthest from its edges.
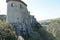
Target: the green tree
(6, 31)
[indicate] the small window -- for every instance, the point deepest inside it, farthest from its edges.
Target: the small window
(20, 6)
(12, 5)
(17, 18)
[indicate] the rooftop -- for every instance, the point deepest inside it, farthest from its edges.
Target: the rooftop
(18, 1)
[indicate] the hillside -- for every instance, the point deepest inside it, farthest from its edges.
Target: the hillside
(7, 33)
(52, 26)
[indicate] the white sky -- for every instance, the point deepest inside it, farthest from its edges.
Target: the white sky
(3, 7)
(41, 9)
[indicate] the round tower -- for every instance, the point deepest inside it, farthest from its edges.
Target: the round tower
(19, 17)
(16, 11)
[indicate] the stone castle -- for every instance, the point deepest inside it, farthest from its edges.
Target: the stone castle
(19, 16)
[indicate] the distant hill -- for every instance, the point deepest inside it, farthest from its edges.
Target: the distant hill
(52, 26)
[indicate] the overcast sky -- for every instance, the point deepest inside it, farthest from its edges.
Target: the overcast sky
(41, 9)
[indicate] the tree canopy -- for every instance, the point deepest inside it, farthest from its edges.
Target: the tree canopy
(6, 31)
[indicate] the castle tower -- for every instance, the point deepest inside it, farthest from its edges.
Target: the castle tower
(16, 11)
(20, 18)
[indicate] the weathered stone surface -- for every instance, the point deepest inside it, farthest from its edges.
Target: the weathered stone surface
(25, 28)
